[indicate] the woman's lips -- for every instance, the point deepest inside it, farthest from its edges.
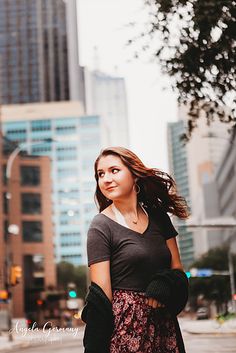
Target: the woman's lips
(110, 188)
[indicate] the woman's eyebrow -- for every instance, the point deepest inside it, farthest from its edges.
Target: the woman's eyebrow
(113, 166)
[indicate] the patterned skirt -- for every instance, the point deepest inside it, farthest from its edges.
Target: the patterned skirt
(140, 328)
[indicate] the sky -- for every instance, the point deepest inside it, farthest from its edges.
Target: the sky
(103, 24)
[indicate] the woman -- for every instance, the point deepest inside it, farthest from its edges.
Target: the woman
(131, 244)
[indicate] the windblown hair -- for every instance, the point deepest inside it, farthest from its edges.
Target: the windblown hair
(157, 189)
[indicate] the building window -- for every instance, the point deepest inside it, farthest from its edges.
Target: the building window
(41, 125)
(32, 231)
(31, 203)
(5, 228)
(30, 175)
(5, 203)
(4, 178)
(62, 130)
(34, 271)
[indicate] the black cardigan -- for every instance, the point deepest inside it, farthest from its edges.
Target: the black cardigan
(99, 319)
(169, 286)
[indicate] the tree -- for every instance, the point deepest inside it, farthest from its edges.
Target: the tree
(67, 272)
(194, 41)
(215, 288)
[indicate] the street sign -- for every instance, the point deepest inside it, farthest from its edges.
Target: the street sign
(201, 272)
(204, 272)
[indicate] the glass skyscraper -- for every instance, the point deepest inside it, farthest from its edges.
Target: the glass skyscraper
(179, 169)
(38, 51)
(75, 143)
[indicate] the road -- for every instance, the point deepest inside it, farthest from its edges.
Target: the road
(194, 344)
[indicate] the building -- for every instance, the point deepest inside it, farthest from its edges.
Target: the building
(105, 95)
(27, 236)
(39, 58)
(220, 194)
(2, 259)
(72, 140)
(193, 166)
(204, 152)
(178, 165)
(225, 178)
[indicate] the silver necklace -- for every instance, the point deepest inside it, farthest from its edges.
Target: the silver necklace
(121, 219)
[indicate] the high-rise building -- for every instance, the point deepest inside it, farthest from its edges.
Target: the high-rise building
(204, 151)
(220, 194)
(193, 166)
(225, 178)
(27, 236)
(39, 57)
(178, 166)
(76, 141)
(105, 95)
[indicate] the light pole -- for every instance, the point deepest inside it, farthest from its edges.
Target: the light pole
(220, 223)
(12, 228)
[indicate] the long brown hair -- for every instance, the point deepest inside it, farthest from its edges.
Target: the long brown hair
(157, 188)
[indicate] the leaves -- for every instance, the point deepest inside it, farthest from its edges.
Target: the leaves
(67, 272)
(215, 287)
(198, 50)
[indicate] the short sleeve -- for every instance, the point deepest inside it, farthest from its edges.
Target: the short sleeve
(169, 229)
(164, 222)
(98, 245)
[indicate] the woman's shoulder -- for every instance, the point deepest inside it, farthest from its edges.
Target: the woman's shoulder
(100, 221)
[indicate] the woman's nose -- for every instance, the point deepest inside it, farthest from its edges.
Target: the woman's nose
(107, 177)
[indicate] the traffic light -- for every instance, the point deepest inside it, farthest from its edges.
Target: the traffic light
(188, 274)
(15, 275)
(4, 295)
(39, 302)
(71, 291)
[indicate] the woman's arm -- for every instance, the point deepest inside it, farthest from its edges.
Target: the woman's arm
(175, 263)
(173, 247)
(100, 274)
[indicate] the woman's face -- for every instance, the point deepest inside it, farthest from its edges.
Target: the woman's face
(114, 179)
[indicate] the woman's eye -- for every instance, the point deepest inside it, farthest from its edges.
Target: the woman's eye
(100, 174)
(115, 169)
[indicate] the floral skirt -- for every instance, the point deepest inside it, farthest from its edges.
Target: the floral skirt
(140, 328)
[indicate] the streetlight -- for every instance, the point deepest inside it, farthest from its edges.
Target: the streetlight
(13, 228)
(220, 223)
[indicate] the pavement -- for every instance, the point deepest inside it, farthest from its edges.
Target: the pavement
(23, 338)
(211, 327)
(38, 337)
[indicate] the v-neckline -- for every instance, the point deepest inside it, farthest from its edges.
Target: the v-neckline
(127, 228)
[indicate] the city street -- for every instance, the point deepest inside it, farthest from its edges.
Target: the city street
(193, 343)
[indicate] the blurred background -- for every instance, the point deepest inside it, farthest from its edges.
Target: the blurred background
(70, 85)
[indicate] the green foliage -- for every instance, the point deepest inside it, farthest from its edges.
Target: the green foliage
(216, 259)
(67, 272)
(216, 287)
(194, 41)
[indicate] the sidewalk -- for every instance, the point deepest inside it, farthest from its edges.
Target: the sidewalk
(208, 327)
(39, 338)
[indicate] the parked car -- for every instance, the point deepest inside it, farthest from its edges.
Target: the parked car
(202, 313)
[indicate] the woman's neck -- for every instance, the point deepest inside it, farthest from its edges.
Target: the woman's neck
(129, 207)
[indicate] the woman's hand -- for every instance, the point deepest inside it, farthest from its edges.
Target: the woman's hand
(154, 303)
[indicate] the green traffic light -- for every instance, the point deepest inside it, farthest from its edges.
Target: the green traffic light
(188, 274)
(72, 294)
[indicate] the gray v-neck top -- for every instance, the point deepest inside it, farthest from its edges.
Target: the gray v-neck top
(134, 257)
